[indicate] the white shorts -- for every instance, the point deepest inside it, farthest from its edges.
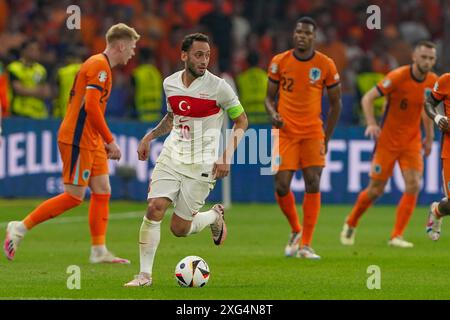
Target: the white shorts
(187, 194)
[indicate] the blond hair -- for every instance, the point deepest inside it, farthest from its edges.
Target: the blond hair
(121, 31)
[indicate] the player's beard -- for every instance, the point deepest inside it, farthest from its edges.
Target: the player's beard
(424, 72)
(193, 72)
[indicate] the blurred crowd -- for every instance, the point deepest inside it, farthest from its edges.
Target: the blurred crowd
(245, 35)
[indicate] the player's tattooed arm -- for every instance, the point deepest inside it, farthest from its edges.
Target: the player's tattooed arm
(430, 108)
(334, 95)
(163, 128)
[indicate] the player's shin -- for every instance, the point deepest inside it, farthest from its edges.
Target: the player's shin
(149, 237)
(311, 210)
(98, 219)
(362, 204)
(405, 210)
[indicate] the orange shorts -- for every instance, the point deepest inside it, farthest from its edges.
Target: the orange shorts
(80, 164)
(294, 154)
(383, 162)
(446, 176)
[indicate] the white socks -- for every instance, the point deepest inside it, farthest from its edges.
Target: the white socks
(202, 220)
(21, 228)
(149, 237)
(98, 250)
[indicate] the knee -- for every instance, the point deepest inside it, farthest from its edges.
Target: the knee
(375, 192)
(104, 190)
(155, 211)
(413, 187)
(282, 187)
(312, 183)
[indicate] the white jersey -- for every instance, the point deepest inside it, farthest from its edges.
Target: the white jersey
(193, 144)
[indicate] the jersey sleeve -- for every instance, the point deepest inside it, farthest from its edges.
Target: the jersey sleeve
(168, 106)
(332, 79)
(441, 89)
(96, 75)
(389, 83)
(228, 100)
(274, 69)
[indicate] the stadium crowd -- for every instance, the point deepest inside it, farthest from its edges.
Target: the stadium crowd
(246, 34)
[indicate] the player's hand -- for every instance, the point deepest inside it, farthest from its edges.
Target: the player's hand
(277, 121)
(427, 145)
(442, 122)
(113, 151)
(220, 169)
(143, 149)
(373, 131)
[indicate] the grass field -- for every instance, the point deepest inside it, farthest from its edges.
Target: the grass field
(250, 265)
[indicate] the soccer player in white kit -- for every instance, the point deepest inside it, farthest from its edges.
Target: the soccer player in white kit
(189, 162)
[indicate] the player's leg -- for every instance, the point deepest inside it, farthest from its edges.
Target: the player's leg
(285, 163)
(381, 169)
(365, 199)
(187, 218)
(412, 167)
(98, 220)
(439, 209)
(311, 210)
(74, 190)
(312, 161)
(164, 188)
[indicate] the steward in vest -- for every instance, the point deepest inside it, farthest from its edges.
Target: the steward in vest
(147, 82)
(252, 87)
(366, 80)
(28, 83)
(65, 79)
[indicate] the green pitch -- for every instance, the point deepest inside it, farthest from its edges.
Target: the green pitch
(250, 265)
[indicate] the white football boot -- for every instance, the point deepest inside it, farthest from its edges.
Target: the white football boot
(293, 244)
(348, 235)
(12, 239)
(307, 252)
(434, 223)
(399, 242)
(107, 257)
(141, 280)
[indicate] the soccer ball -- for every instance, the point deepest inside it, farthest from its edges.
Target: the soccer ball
(192, 271)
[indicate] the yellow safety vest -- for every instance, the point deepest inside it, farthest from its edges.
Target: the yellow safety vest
(148, 92)
(252, 86)
(366, 81)
(66, 76)
(29, 77)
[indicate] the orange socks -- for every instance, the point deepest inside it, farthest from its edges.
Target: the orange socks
(405, 210)
(287, 205)
(98, 217)
(311, 209)
(362, 204)
(51, 208)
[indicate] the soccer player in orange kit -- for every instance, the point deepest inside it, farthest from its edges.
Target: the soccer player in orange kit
(440, 93)
(85, 144)
(298, 77)
(398, 139)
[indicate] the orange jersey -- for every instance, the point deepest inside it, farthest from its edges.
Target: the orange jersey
(301, 84)
(84, 125)
(404, 106)
(441, 92)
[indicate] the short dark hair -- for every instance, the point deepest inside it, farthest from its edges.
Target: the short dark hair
(307, 20)
(425, 43)
(190, 38)
(28, 43)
